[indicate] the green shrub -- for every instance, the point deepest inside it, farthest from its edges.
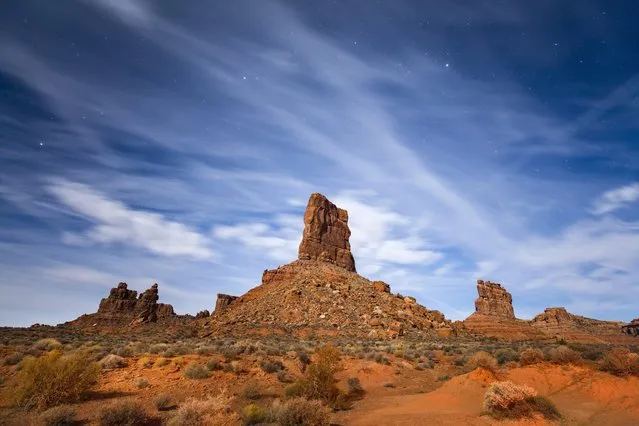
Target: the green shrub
(196, 371)
(294, 390)
(300, 411)
(504, 356)
(53, 379)
(253, 415)
(58, 416)
(123, 413)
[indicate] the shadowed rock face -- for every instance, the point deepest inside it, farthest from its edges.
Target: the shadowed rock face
(223, 301)
(494, 300)
(632, 328)
(124, 305)
(326, 234)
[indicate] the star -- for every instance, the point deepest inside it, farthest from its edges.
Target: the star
(244, 77)
(41, 143)
(447, 65)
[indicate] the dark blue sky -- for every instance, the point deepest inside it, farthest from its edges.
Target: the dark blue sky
(167, 141)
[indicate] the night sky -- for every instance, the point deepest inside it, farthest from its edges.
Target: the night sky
(178, 141)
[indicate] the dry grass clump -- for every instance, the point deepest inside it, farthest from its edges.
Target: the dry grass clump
(254, 415)
(564, 355)
(506, 400)
(483, 360)
(113, 361)
(251, 391)
(13, 359)
(58, 416)
(47, 344)
(163, 402)
(300, 411)
(198, 412)
(53, 379)
(621, 362)
(123, 413)
(196, 371)
(271, 366)
(145, 362)
(531, 356)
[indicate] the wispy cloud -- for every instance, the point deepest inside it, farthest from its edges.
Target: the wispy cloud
(616, 199)
(198, 135)
(114, 222)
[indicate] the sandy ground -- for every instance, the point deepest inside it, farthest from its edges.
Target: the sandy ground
(396, 394)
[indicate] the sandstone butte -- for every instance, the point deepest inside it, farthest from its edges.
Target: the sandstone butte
(321, 293)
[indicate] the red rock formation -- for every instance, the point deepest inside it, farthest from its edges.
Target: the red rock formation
(494, 315)
(123, 307)
(494, 300)
(561, 324)
(223, 301)
(632, 328)
(326, 234)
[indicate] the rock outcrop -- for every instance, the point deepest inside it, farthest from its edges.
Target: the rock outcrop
(203, 314)
(320, 293)
(494, 315)
(124, 307)
(494, 300)
(326, 234)
(223, 301)
(561, 324)
(632, 328)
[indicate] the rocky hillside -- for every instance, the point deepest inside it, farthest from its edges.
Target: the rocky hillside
(321, 292)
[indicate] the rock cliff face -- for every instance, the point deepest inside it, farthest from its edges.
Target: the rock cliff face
(124, 307)
(494, 315)
(559, 323)
(494, 300)
(632, 328)
(326, 234)
(223, 301)
(321, 292)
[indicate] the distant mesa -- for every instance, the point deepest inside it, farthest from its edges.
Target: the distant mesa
(632, 328)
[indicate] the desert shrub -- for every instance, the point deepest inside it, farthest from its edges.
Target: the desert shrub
(592, 354)
(443, 378)
(231, 353)
(13, 359)
(251, 392)
(460, 362)
(196, 371)
(482, 360)
(123, 413)
(621, 362)
(319, 380)
(113, 361)
(141, 383)
(125, 351)
(145, 362)
(508, 400)
(294, 390)
(58, 416)
(197, 412)
(564, 355)
(47, 344)
(284, 376)
(271, 366)
(504, 356)
(254, 414)
(53, 379)
(163, 402)
(304, 359)
(161, 362)
(354, 386)
(213, 365)
(300, 411)
(530, 356)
